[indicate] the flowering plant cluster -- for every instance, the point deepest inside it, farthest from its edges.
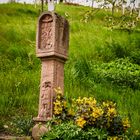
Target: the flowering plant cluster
(88, 113)
(59, 105)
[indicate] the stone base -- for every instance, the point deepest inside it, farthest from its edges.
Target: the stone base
(39, 119)
(39, 130)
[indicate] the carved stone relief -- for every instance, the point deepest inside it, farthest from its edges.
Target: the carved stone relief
(51, 48)
(45, 100)
(46, 36)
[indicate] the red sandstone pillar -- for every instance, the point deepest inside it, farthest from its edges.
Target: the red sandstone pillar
(52, 49)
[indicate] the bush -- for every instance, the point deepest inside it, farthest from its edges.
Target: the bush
(70, 131)
(85, 118)
(121, 72)
(21, 125)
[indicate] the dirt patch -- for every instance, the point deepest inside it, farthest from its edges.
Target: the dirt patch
(7, 136)
(14, 138)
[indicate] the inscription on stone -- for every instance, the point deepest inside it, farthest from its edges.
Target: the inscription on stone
(45, 99)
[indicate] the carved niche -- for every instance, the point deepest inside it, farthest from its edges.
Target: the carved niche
(45, 33)
(52, 36)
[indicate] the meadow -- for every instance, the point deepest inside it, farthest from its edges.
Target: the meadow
(104, 60)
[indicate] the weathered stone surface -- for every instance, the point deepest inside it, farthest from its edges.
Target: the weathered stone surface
(52, 36)
(52, 49)
(52, 76)
(39, 130)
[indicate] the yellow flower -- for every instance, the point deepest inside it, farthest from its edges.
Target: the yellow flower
(105, 104)
(64, 103)
(97, 112)
(111, 112)
(58, 91)
(58, 97)
(126, 123)
(114, 138)
(57, 103)
(93, 102)
(79, 100)
(109, 104)
(57, 110)
(137, 133)
(90, 101)
(80, 122)
(71, 112)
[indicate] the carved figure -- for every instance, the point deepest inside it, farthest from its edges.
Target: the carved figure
(46, 33)
(45, 100)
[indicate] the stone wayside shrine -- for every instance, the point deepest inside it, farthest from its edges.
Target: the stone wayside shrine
(52, 48)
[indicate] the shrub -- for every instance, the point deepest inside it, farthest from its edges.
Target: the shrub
(121, 72)
(21, 125)
(70, 131)
(85, 118)
(2, 129)
(125, 22)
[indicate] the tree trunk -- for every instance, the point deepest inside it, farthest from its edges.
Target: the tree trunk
(12, 1)
(92, 3)
(42, 5)
(139, 14)
(46, 2)
(113, 8)
(123, 9)
(35, 3)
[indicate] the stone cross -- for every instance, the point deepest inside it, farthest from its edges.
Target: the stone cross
(52, 48)
(50, 5)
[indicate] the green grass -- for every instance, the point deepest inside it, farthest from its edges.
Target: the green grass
(19, 66)
(91, 43)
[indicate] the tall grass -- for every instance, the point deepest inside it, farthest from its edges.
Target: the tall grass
(91, 44)
(19, 67)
